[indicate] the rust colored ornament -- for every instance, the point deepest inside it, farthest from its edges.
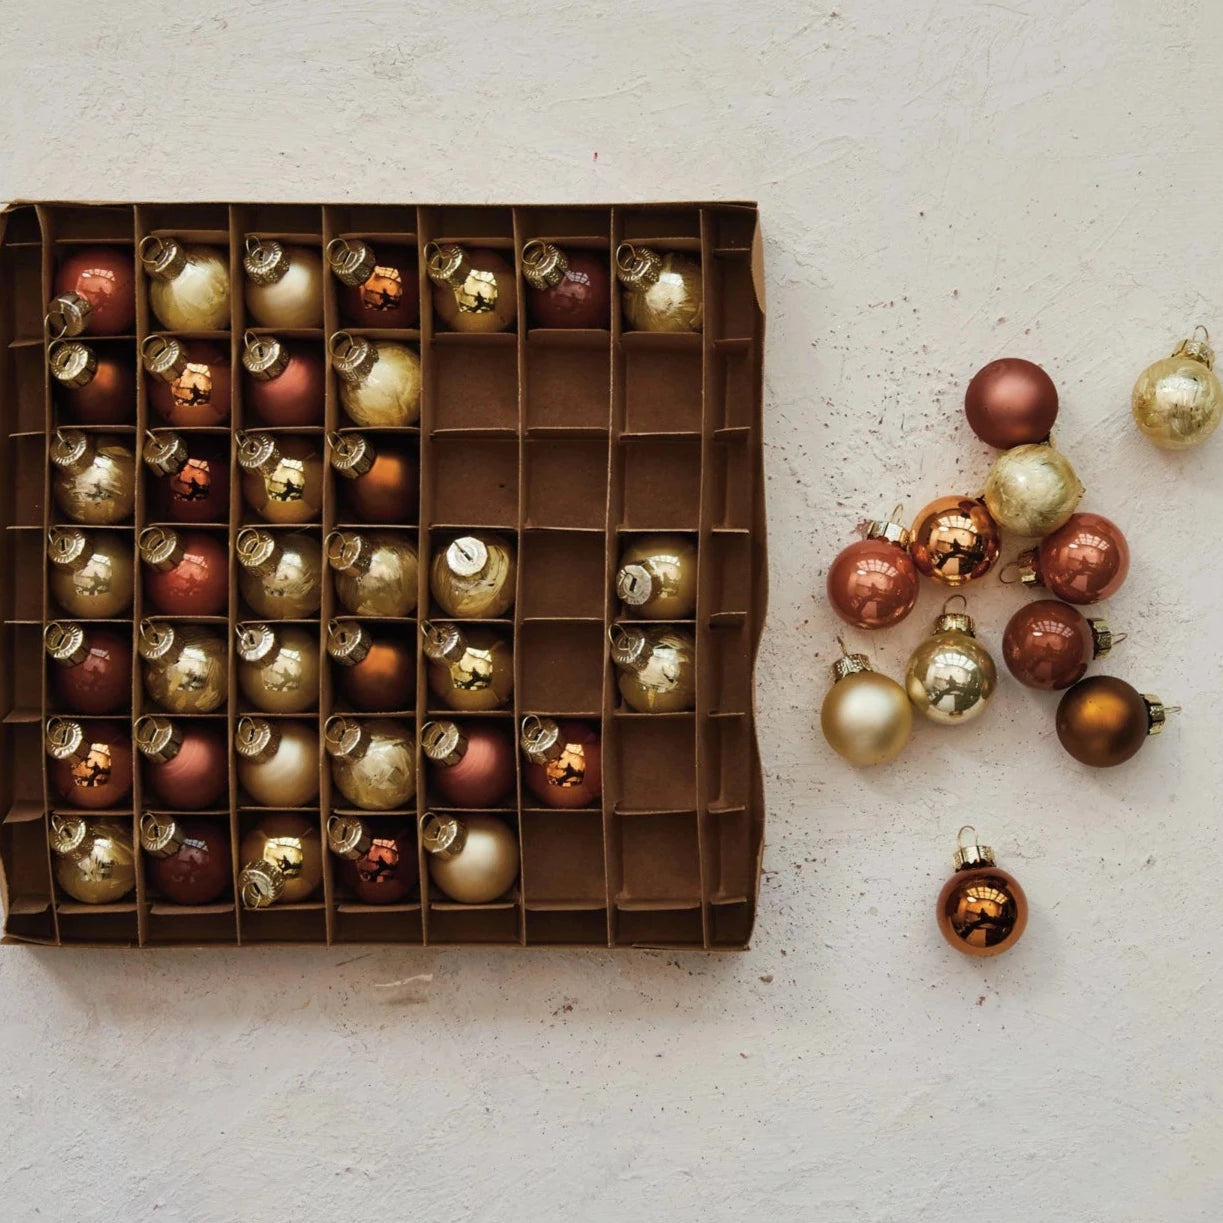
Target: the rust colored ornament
(470, 669)
(382, 483)
(285, 381)
(564, 762)
(282, 858)
(93, 667)
(1102, 721)
(188, 284)
(380, 288)
(280, 574)
(379, 869)
(1011, 402)
(186, 763)
(282, 477)
(954, 540)
(189, 381)
(186, 573)
(93, 477)
(95, 293)
(90, 573)
(470, 765)
(1048, 644)
(981, 910)
(568, 289)
(473, 290)
(662, 289)
(376, 675)
(188, 859)
(873, 583)
(93, 388)
(91, 762)
(1084, 561)
(191, 477)
(473, 860)
(93, 859)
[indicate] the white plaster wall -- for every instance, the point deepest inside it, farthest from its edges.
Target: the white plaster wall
(941, 182)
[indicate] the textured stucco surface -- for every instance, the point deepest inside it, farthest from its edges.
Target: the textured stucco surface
(941, 183)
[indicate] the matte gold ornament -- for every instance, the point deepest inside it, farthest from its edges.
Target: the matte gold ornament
(866, 717)
(283, 857)
(188, 284)
(373, 761)
(1177, 402)
(474, 860)
(951, 676)
(473, 290)
(278, 762)
(379, 380)
(376, 572)
(284, 284)
(473, 577)
(186, 667)
(981, 911)
(1032, 490)
(662, 290)
(656, 666)
(955, 540)
(280, 573)
(93, 477)
(470, 668)
(90, 574)
(93, 859)
(656, 579)
(282, 476)
(278, 667)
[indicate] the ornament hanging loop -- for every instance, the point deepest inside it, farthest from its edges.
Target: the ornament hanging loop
(964, 607)
(1010, 568)
(959, 836)
(1205, 333)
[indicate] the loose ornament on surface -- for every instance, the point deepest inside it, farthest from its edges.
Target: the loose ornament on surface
(1011, 402)
(981, 911)
(1048, 644)
(951, 676)
(1102, 721)
(873, 583)
(1177, 402)
(1083, 561)
(954, 540)
(1032, 490)
(866, 717)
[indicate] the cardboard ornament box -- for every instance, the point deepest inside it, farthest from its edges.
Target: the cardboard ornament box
(571, 444)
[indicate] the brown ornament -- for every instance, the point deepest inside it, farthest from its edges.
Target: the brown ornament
(954, 540)
(91, 762)
(1083, 561)
(1011, 402)
(873, 582)
(380, 288)
(191, 476)
(376, 675)
(93, 387)
(188, 381)
(285, 381)
(1103, 721)
(982, 911)
(380, 869)
(1048, 644)
(381, 483)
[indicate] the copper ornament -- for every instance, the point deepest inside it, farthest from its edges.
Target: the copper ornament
(1048, 644)
(1011, 402)
(981, 911)
(1083, 561)
(954, 540)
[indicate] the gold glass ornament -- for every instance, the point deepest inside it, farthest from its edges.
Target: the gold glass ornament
(373, 761)
(379, 380)
(1032, 490)
(278, 762)
(280, 573)
(283, 861)
(284, 284)
(93, 859)
(474, 860)
(186, 667)
(376, 573)
(278, 667)
(954, 540)
(981, 910)
(1177, 402)
(282, 476)
(657, 577)
(90, 574)
(866, 717)
(473, 577)
(951, 676)
(656, 665)
(473, 290)
(469, 669)
(93, 477)
(662, 291)
(188, 284)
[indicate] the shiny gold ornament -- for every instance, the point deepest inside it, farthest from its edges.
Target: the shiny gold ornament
(662, 292)
(657, 667)
(469, 669)
(278, 763)
(473, 577)
(188, 284)
(186, 667)
(866, 717)
(379, 380)
(284, 284)
(1032, 490)
(474, 291)
(282, 476)
(474, 860)
(93, 477)
(278, 667)
(93, 859)
(376, 573)
(954, 540)
(283, 856)
(981, 910)
(951, 676)
(657, 577)
(1177, 402)
(373, 761)
(90, 574)
(280, 573)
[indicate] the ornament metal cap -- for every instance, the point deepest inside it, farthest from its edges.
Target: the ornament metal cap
(261, 884)
(347, 837)
(165, 453)
(1197, 349)
(154, 639)
(637, 267)
(160, 835)
(264, 357)
(955, 622)
(352, 260)
(256, 451)
(352, 356)
(256, 640)
(630, 649)
(543, 264)
(67, 833)
(158, 738)
(160, 548)
(968, 856)
(447, 265)
(849, 664)
(67, 547)
(162, 257)
(443, 836)
(1157, 713)
(64, 641)
(442, 641)
(65, 740)
(164, 357)
(634, 585)
(540, 739)
(348, 552)
(352, 454)
(72, 363)
(1102, 637)
(71, 450)
(348, 641)
(256, 739)
(443, 742)
(266, 261)
(467, 556)
(67, 315)
(345, 738)
(893, 530)
(255, 548)
(1027, 568)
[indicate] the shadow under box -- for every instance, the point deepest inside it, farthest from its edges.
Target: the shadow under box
(568, 381)
(561, 665)
(475, 482)
(562, 859)
(662, 485)
(475, 386)
(566, 482)
(662, 389)
(563, 574)
(659, 863)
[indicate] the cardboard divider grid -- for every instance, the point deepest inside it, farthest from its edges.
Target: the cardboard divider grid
(568, 443)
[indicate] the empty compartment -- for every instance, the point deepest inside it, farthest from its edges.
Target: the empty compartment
(489, 225)
(27, 410)
(285, 924)
(192, 926)
(726, 760)
(563, 573)
(730, 867)
(475, 385)
(92, 222)
(30, 923)
(727, 669)
(566, 482)
(23, 493)
(733, 227)
(23, 849)
(25, 553)
(556, 224)
(734, 393)
(22, 305)
(662, 485)
(732, 484)
(115, 926)
(731, 924)
(568, 381)
(659, 861)
(655, 763)
(22, 780)
(662, 387)
(566, 927)
(730, 576)
(647, 222)
(735, 311)
(23, 226)
(475, 482)
(659, 928)
(379, 924)
(22, 697)
(561, 667)
(471, 924)
(562, 859)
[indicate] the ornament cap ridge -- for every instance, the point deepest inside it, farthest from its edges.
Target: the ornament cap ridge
(968, 856)
(543, 264)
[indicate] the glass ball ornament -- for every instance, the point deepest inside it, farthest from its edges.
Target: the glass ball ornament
(92, 386)
(185, 666)
(1048, 644)
(282, 477)
(567, 288)
(473, 290)
(375, 673)
(866, 717)
(90, 762)
(662, 290)
(284, 283)
(471, 765)
(92, 858)
(90, 573)
(375, 572)
(278, 666)
(473, 577)
(1032, 490)
(284, 381)
(981, 910)
(93, 477)
(380, 288)
(954, 540)
(470, 669)
(873, 582)
(473, 860)
(1102, 721)
(381, 484)
(379, 380)
(280, 574)
(277, 761)
(282, 858)
(656, 667)
(186, 764)
(564, 762)
(378, 869)
(187, 860)
(186, 573)
(1011, 402)
(656, 578)
(1083, 561)
(188, 381)
(95, 288)
(373, 761)
(1177, 402)
(190, 477)
(93, 667)
(950, 676)
(188, 284)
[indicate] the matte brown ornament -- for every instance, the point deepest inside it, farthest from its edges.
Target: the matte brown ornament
(981, 911)
(90, 762)
(90, 573)
(1048, 644)
(1011, 402)
(284, 283)
(1103, 721)
(186, 764)
(95, 290)
(381, 483)
(375, 674)
(285, 381)
(380, 288)
(471, 765)
(282, 477)
(187, 859)
(188, 381)
(92, 858)
(93, 477)
(190, 477)
(379, 869)
(473, 290)
(92, 667)
(282, 858)
(93, 387)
